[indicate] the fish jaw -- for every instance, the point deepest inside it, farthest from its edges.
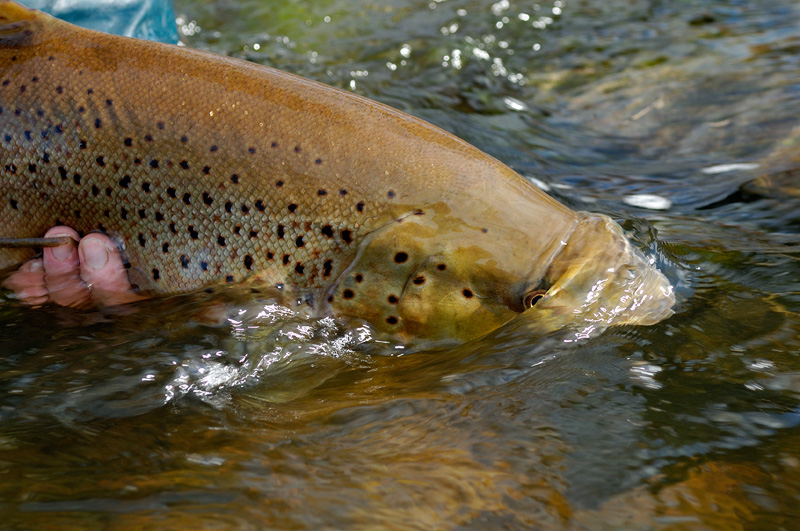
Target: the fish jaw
(599, 279)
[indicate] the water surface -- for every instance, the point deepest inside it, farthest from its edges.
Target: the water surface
(679, 119)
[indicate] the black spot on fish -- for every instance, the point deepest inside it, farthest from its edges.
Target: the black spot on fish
(137, 161)
(13, 203)
(154, 163)
(109, 103)
(156, 274)
(125, 181)
(299, 268)
(159, 216)
(327, 231)
(146, 187)
(184, 261)
(11, 168)
(142, 213)
(193, 233)
(32, 168)
(46, 158)
(213, 148)
(207, 199)
(297, 149)
(392, 320)
(347, 237)
(420, 280)
(62, 172)
(28, 135)
(100, 161)
(149, 138)
(390, 194)
(274, 144)
(206, 170)
(39, 112)
(221, 241)
(359, 278)
(280, 231)
(285, 259)
(165, 247)
(76, 178)
(171, 192)
(172, 228)
(292, 207)
(245, 209)
(60, 89)
(106, 213)
(204, 266)
(251, 150)
(441, 267)
(318, 161)
(21, 89)
(299, 242)
(142, 241)
(348, 294)
(228, 207)
(400, 257)
(253, 233)
(260, 205)
(82, 144)
(44, 134)
(235, 179)
(123, 212)
(484, 230)
(342, 193)
(184, 139)
(279, 184)
(229, 279)
(187, 198)
(467, 293)
(392, 299)
(108, 191)
(270, 256)
(90, 92)
(98, 124)
(248, 261)
(360, 207)
(160, 125)
(327, 267)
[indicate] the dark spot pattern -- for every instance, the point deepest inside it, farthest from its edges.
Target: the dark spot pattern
(400, 257)
(392, 299)
(467, 293)
(420, 280)
(392, 320)
(348, 294)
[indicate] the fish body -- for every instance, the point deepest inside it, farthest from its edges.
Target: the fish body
(214, 171)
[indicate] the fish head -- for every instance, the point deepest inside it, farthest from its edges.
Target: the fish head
(433, 275)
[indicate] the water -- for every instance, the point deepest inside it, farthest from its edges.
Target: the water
(161, 418)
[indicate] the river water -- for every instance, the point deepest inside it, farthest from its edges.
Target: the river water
(678, 119)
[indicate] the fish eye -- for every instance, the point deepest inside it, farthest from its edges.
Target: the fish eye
(532, 297)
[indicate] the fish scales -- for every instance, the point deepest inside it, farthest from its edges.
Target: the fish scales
(210, 168)
(213, 170)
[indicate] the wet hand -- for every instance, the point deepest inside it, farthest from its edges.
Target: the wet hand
(90, 275)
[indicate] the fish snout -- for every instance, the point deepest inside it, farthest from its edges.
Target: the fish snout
(602, 280)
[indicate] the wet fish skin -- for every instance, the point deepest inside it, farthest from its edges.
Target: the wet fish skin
(215, 171)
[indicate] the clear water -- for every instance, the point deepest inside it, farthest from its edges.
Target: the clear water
(157, 419)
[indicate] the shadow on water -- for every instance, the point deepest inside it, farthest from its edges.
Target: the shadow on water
(677, 118)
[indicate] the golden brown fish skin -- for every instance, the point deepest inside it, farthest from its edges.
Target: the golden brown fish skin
(214, 170)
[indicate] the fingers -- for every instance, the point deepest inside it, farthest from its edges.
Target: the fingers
(91, 274)
(27, 283)
(62, 272)
(102, 269)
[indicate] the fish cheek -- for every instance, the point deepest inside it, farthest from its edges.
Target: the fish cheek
(439, 305)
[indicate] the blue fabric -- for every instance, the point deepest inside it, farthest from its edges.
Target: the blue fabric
(144, 19)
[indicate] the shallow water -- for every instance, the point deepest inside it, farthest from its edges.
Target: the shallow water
(156, 418)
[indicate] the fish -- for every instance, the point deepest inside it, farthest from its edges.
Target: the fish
(212, 171)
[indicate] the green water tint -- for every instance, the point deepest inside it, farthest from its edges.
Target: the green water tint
(161, 418)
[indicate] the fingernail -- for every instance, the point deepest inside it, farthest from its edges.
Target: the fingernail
(63, 252)
(95, 253)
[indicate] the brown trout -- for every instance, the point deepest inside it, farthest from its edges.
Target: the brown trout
(217, 171)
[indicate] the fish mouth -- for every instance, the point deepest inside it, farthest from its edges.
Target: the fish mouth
(600, 279)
